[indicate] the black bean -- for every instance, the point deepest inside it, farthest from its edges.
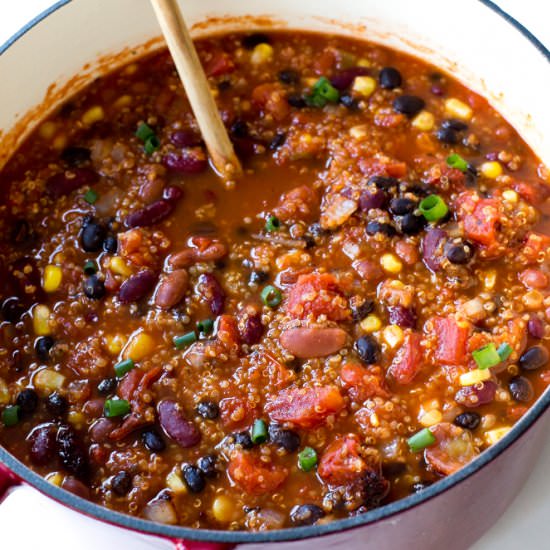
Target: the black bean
(92, 235)
(306, 514)
(349, 102)
(401, 206)
(208, 409)
(250, 41)
(76, 156)
(296, 101)
(521, 389)
(460, 253)
(56, 405)
(534, 358)
(289, 440)
(110, 244)
(224, 85)
(277, 141)
(21, 233)
(360, 307)
(468, 420)
(288, 76)
(448, 135)
(389, 78)
(411, 224)
(380, 227)
(207, 465)
(383, 182)
(409, 105)
(259, 277)
(455, 124)
(368, 349)
(239, 129)
(42, 347)
(121, 483)
(417, 487)
(243, 439)
(194, 478)
(94, 287)
(153, 440)
(72, 452)
(107, 386)
(12, 309)
(317, 231)
(27, 401)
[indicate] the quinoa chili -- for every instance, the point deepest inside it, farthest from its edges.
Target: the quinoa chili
(364, 312)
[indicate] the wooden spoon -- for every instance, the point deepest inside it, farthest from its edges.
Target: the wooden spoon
(196, 86)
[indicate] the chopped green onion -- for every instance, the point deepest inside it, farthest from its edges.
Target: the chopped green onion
(456, 161)
(90, 267)
(10, 415)
(151, 145)
(185, 340)
(144, 132)
(205, 326)
(433, 208)
(504, 351)
(271, 296)
(123, 367)
(323, 92)
(259, 432)
(307, 459)
(90, 196)
(272, 224)
(419, 441)
(116, 407)
(486, 356)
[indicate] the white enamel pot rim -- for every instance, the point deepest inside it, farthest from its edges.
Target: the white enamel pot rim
(38, 54)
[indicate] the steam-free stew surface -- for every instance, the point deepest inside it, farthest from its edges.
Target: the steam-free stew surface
(361, 314)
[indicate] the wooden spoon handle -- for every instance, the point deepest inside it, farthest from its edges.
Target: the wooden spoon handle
(197, 88)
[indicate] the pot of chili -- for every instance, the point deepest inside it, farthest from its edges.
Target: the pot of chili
(350, 342)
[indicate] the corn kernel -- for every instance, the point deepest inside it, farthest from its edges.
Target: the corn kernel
(123, 101)
(60, 142)
(490, 279)
(52, 278)
(295, 258)
(458, 109)
(76, 418)
(431, 418)
(41, 320)
(509, 195)
(358, 131)
(55, 478)
(491, 170)
(48, 381)
(261, 54)
(371, 323)
(59, 258)
(119, 266)
(393, 335)
(93, 114)
(364, 62)
(423, 121)
(533, 299)
(224, 509)
(474, 377)
(114, 343)
(309, 81)
(364, 85)
(175, 483)
(493, 436)
(374, 420)
(4, 393)
(47, 130)
(391, 263)
(139, 346)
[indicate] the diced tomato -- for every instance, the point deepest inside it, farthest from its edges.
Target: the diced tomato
(533, 278)
(254, 476)
(480, 217)
(271, 98)
(228, 331)
(442, 176)
(221, 63)
(278, 375)
(341, 462)
(535, 193)
(299, 204)
(452, 450)
(408, 360)
(305, 407)
(382, 167)
(363, 384)
(235, 412)
(317, 294)
(535, 244)
(324, 63)
(452, 336)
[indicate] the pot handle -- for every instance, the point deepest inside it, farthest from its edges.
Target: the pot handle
(181, 544)
(7, 479)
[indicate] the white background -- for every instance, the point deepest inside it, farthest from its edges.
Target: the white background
(30, 521)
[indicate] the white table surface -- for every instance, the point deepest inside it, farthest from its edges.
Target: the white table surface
(525, 525)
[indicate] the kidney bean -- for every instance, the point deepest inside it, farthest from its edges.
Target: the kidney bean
(172, 193)
(94, 407)
(402, 316)
(252, 329)
(181, 430)
(184, 138)
(201, 249)
(535, 326)
(189, 160)
(42, 441)
(137, 286)
(151, 190)
(313, 342)
(212, 292)
(372, 199)
(75, 487)
(345, 78)
(533, 278)
(171, 289)
(101, 429)
(150, 215)
(432, 248)
(474, 396)
(72, 452)
(63, 183)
